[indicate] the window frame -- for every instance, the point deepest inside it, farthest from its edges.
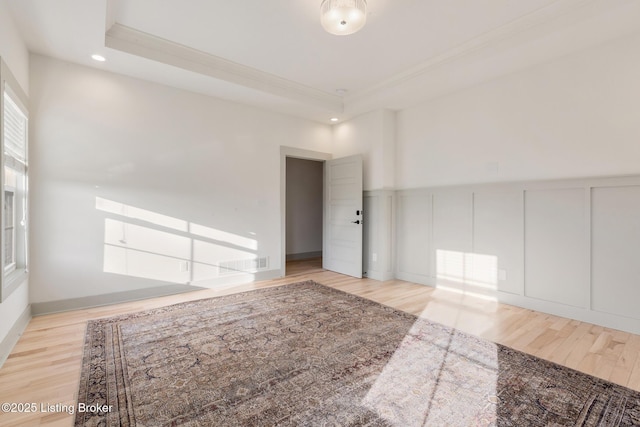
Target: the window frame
(11, 267)
(12, 278)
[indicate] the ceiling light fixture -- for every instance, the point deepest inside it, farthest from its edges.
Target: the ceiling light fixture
(343, 17)
(334, 119)
(98, 58)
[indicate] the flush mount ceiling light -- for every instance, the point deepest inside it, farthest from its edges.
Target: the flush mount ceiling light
(98, 58)
(343, 17)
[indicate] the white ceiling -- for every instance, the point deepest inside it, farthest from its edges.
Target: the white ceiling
(274, 54)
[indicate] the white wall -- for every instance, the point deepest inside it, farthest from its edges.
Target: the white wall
(572, 117)
(372, 135)
(13, 49)
(131, 180)
(304, 206)
(14, 53)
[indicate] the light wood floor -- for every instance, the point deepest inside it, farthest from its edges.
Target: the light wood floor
(44, 367)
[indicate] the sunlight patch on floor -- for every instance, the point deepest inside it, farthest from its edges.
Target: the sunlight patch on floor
(426, 381)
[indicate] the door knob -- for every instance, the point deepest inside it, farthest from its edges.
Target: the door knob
(356, 221)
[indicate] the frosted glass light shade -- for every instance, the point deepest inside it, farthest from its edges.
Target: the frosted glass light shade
(343, 17)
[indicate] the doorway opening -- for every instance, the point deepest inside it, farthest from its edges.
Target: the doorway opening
(295, 153)
(304, 189)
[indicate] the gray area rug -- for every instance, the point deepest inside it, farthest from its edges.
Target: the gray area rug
(309, 355)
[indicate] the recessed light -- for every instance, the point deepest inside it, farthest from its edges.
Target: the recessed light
(98, 58)
(334, 119)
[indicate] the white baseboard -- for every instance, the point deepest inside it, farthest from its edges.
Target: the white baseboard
(382, 276)
(237, 278)
(58, 306)
(14, 335)
(415, 278)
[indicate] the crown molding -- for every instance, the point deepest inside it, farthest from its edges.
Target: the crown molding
(501, 50)
(511, 34)
(139, 43)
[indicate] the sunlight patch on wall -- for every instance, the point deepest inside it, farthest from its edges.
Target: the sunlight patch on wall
(140, 214)
(120, 233)
(144, 252)
(223, 236)
(212, 260)
(130, 262)
(175, 223)
(160, 247)
(479, 270)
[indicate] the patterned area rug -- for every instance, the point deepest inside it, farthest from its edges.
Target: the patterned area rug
(309, 355)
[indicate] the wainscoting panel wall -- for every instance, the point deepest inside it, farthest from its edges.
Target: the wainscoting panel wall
(498, 227)
(452, 236)
(615, 236)
(413, 230)
(555, 241)
(452, 221)
(378, 234)
(566, 247)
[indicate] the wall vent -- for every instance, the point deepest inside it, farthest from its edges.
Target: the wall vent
(243, 265)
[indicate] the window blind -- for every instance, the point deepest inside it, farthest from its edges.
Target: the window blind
(15, 131)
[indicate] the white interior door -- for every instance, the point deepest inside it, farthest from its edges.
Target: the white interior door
(343, 216)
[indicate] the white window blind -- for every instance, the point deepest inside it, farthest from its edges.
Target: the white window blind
(15, 133)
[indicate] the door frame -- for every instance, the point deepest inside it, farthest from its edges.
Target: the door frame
(297, 153)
